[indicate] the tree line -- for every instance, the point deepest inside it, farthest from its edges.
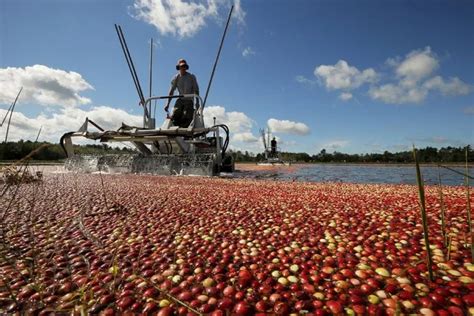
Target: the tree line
(54, 152)
(425, 155)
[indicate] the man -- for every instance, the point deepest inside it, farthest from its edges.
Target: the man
(187, 84)
(273, 147)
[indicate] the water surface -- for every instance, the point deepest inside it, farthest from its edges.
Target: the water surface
(352, 173)
(375, 174)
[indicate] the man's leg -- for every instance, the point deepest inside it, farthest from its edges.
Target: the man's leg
(177, 116)
(188, 113)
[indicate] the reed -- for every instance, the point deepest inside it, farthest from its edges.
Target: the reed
(450, 239)
(468, 198)
(443, 211)
(421, 194)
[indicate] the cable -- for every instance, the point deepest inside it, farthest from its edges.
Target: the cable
(226, 142)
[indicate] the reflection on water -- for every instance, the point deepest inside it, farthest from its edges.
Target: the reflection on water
(373, 174)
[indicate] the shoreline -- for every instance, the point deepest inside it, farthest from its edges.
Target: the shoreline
(296, 164)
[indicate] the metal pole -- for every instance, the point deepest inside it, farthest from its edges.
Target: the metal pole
(39, 132)
(6, 114)
(140, 91)
(217, 57)
(214, 118)
(151, 65)
(127, 59)
(150, 88)
(11, 113)
(131, 66)
(268, 140)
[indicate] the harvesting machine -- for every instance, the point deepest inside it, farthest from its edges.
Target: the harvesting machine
(169, 150)
(272, 155)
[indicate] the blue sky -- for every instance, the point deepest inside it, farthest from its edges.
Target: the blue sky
(351, 76)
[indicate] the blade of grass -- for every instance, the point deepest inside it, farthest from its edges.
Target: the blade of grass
(450, 239)
(443, 213)
(468, 198)
(11, 114)
(455, 171)
(421, 192)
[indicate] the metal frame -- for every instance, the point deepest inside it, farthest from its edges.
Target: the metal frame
(166, 140)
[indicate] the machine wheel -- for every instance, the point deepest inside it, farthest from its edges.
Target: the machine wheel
(228, 164)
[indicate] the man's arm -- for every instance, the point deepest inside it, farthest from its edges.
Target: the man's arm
(174, 83)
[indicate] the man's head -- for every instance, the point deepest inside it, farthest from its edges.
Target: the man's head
(182, 66)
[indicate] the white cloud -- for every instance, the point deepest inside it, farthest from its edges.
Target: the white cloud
(65, 120)
(345, 96)
(245, 137)
(248, 51)
(402, 93)
(286, 126)
(414, 82)
(183, 18)
(452, 87)
(397, 94)
(343, 76)
(43, 85)
(417, 65)
(414, 79)
(236, 121)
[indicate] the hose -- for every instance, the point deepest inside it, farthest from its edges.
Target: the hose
(61, 141)
(226, 142)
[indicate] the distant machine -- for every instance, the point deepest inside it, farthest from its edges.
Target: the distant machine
(271, 152)
(169, 149)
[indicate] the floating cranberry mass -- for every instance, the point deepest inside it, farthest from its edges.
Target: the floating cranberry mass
(188, 245)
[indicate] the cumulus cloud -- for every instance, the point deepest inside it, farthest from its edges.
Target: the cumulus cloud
(236, 121)
(345, 96)
(43, 85)
(418, 64)
(240, 125)
(183, 18)
(289, 127)
(343, 76)
(245, 137)
(65, 120)
(397, 94)
(248, 51)
(453, 86)
(415, 81)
